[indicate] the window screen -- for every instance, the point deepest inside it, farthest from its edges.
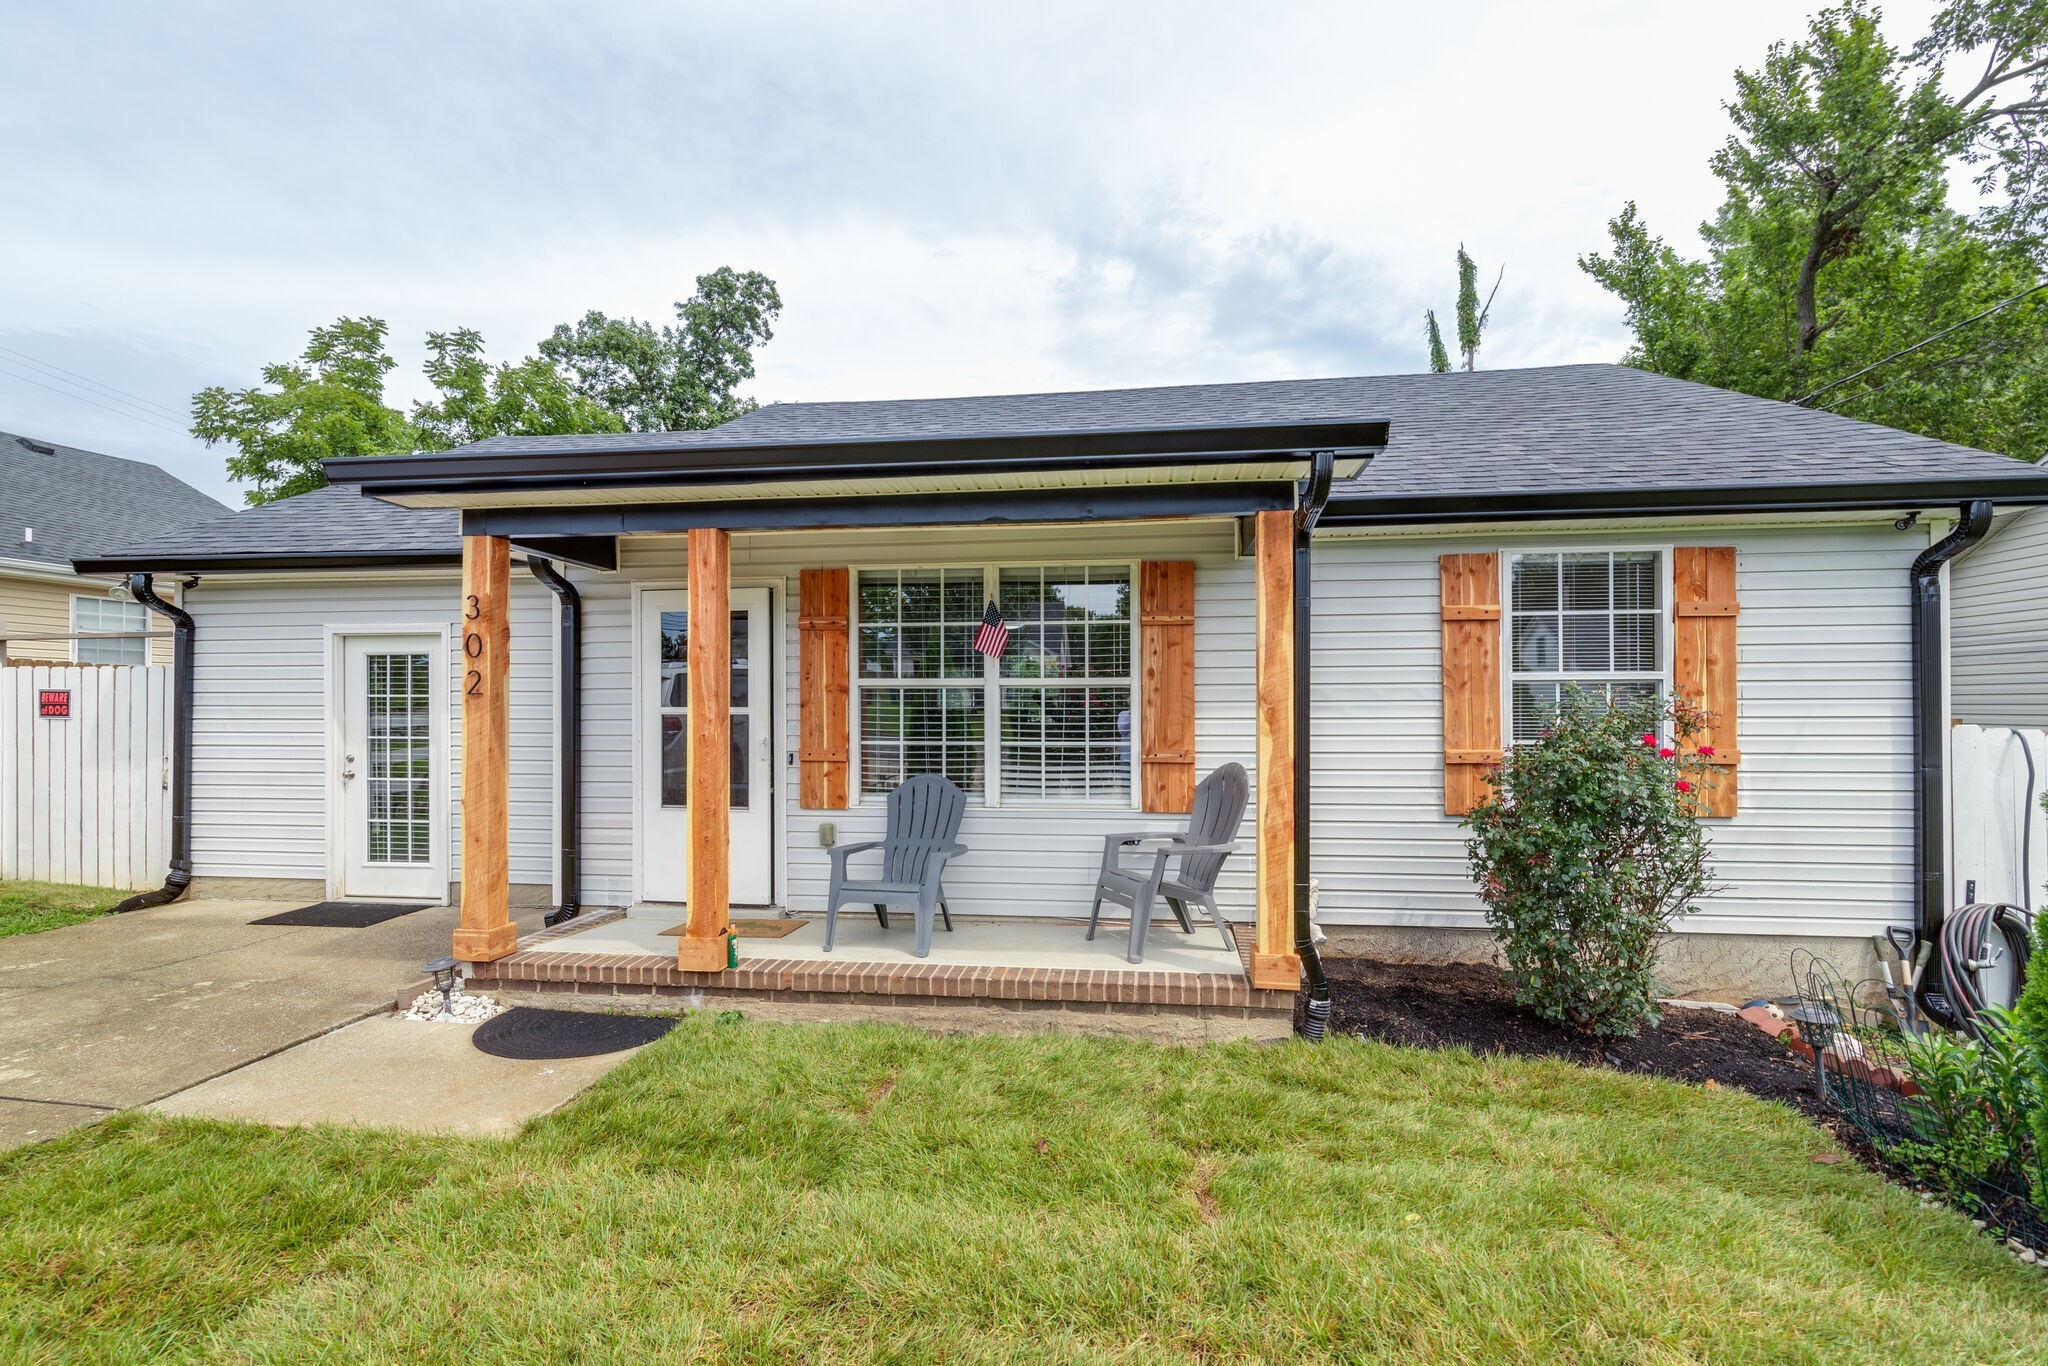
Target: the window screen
(1589, 619)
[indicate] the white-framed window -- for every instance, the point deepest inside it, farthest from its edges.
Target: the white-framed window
(89, 613)
(1049, 721)
(1593, 619)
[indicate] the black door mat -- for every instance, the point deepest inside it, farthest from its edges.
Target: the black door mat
(344, 915)
(530, 1032)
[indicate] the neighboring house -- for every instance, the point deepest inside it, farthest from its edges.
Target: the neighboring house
(1999, 628)
(61, 503)
(1488, 538)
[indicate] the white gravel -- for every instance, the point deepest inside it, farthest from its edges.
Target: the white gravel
(463, 1008)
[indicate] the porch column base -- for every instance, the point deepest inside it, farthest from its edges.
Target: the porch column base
(706, 954)
(1276, 971)
(485, 945)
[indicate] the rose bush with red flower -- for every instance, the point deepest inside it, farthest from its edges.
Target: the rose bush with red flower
(1587, 851)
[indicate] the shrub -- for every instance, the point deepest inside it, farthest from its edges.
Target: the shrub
(1586, 852)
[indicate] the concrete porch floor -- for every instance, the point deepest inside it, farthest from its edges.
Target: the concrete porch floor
(995, 942)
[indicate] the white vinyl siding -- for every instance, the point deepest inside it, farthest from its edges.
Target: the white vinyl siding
(1998, 626)
(260, 723)
(1824, 841)
(1025, 860)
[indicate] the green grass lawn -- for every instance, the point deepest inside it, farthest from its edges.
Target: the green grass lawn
(745, 1192)
(26, 907)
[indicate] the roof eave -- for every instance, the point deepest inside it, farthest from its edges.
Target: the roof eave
(172, 563)
(742, 461)
(1544, 505)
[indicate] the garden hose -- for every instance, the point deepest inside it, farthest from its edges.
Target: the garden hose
(1968, 953)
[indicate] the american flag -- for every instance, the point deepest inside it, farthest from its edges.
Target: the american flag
(993, 637)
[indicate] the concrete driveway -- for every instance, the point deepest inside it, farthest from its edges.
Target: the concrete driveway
(129, 1009)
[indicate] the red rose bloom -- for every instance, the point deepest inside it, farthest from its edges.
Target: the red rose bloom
(1707, 751)
(1666, 752)
(1684, 786)
(1649, 739)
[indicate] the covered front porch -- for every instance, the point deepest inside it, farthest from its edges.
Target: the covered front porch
(1259, 487)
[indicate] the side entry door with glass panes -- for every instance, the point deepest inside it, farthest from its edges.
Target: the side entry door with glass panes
(391, 829)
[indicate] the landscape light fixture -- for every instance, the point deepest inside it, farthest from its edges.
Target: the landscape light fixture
(443, 972)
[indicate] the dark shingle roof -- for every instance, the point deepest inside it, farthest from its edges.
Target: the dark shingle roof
(333, 522)
(1494, 436)
(1489, 433)
(81, 502)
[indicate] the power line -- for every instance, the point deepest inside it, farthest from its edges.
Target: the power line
(82, 398)
(1908, 350)
(161, 409)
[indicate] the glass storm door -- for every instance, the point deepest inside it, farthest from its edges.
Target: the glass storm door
(390, 830)
(664, 722)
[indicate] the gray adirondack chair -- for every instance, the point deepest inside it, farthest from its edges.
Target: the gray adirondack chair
(1200, 849)
(924, 825)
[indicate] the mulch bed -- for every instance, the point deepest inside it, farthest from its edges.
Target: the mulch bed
(1470, 1004)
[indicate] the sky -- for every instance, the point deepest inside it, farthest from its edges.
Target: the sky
(953, 199)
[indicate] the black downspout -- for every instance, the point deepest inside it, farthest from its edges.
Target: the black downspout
(180, 875)
(1315, 494)
(569, 743)
(1930, 746)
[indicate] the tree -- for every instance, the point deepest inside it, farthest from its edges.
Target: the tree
(602, 375)
(1471, 317)
(531, 398)
(331, 405)
(1835, 248)
(1439, 359)
(682, 376)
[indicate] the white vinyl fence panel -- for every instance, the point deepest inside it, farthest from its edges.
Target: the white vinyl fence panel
(85, 798)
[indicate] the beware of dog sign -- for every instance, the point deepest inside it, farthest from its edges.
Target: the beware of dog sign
(53, 702)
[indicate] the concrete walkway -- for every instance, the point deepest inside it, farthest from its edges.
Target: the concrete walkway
(129, 1009)
(394, 1073)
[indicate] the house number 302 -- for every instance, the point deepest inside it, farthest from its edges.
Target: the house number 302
(472, 647)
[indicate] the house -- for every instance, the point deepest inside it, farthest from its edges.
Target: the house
(1999, 674)
(61, 503)
(1463, 545)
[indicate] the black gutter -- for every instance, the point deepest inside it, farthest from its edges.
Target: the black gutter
(1536, 504)
(569, 736)
(163, 562)
(180, 875)
(1930, 746)
(599, 461)
(1315, 494)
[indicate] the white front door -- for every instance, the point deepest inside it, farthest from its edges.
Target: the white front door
(391, 827)
(664, 697)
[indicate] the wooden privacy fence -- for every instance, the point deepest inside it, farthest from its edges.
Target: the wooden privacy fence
(85, 763)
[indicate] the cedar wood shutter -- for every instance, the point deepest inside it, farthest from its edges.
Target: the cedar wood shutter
(1166, 710)
(822, 689)
(1471, 666)
(1703, 658)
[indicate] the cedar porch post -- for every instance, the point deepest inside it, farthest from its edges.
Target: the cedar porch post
(1275, 964)
(707, 879)
(486, 931)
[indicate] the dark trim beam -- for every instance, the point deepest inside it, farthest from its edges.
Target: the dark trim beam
(524, 525)
(586, 552)
(597, 462)
(277, 561)
(1347, 509)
